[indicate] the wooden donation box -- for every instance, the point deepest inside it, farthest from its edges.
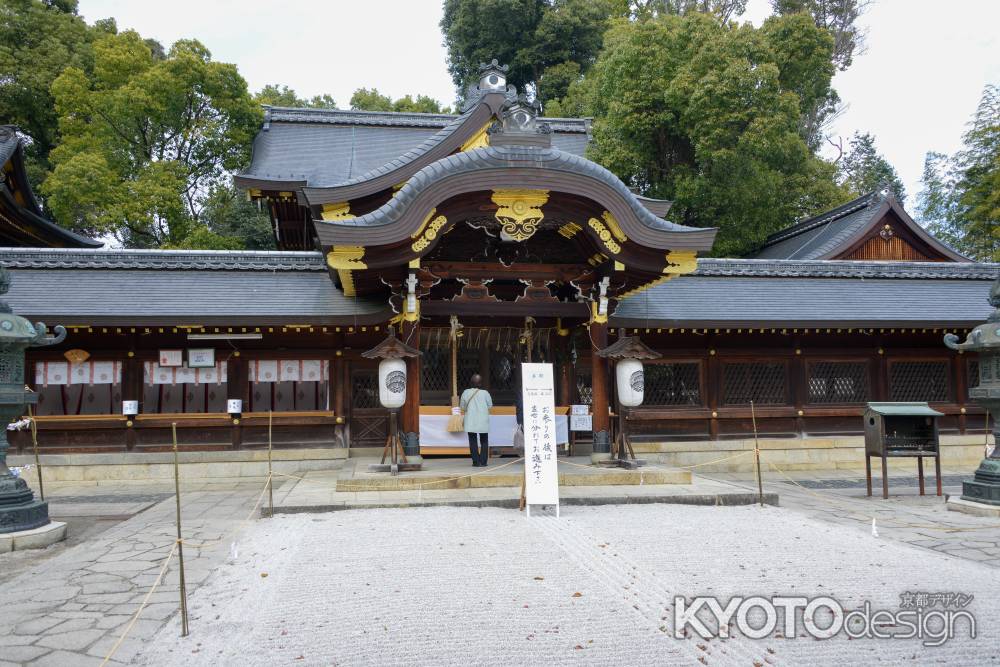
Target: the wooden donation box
(901, 429)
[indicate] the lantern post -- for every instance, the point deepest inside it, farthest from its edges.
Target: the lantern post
(628, 353)
(392, 380)
(19, 510)
(981, 494)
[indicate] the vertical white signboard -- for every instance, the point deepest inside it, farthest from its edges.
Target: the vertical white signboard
(541, 474)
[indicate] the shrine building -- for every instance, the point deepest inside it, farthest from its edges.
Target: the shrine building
(485, 239)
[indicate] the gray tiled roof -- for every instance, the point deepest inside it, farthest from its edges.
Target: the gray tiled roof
(178, 287)
(327, 147)
(735, 293)
(825, 235)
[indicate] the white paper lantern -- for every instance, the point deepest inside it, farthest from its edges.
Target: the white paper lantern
(392, 383)
(630, 380)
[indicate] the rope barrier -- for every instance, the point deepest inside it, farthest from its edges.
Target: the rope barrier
(145, 601)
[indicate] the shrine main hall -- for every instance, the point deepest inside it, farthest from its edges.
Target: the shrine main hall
(482, 240)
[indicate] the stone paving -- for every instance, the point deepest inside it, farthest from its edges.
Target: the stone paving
(486, 586)
(69, 605)
(839, 497)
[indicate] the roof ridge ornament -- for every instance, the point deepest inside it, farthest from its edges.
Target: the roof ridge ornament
(492, 79)
(519, 126)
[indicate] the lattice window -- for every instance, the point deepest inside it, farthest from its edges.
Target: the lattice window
(918, 381)
(764, 383)
(673, 384)
(468, 365)
(584, 386)
(435, 370)
(364, 389)
(838, 382)
(503, 379)
(971, 373)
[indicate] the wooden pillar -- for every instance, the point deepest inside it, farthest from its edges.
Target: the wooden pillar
(798, 385)
(237, 387)
(411, 409)
(713, 387)
(961, 388)
(131, 391)
(564, 370)
(599, 379)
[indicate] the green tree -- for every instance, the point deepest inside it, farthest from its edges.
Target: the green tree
(230, 214)
(862, 169)
(709, 116)
(540, 40)
(283, 96)
(723, 10)
(840, 17)
(38, 40)
(365, 99)
(961, 195)
(144, 140)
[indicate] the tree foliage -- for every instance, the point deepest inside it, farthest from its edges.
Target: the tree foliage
(862, 169)
(38, 40)
(723, 10)
(546, 43)
(365, 99)
(709, 116)
(283, 96)
(961, 195)
(145, 139)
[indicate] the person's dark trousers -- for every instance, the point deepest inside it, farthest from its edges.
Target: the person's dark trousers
(479, 452)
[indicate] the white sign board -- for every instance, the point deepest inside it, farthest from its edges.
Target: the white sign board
(171, 357)
(579, 409)
(202, 357)
(581, 423)
(540, 470)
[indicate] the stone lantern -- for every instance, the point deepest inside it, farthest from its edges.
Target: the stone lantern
(981, 494)
(19, 511)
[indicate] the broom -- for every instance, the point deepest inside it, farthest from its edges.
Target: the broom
(455, 421)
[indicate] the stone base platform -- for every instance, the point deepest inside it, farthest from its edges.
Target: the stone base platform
(957, 504)
(36, 538)
(439, 474)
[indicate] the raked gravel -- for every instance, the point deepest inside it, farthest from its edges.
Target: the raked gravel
(486, 586)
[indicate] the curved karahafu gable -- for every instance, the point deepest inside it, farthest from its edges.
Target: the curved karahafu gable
(509, 167)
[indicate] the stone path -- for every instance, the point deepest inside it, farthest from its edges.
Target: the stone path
(839, 498)
(485, 586)
(68, 610)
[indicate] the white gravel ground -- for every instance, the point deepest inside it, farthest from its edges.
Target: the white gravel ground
(467, 586)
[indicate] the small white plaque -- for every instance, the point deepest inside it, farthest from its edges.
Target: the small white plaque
(234, 406)
(130, 408)
(202, 357)
(579, 409)
(171, 357)
(581, 423)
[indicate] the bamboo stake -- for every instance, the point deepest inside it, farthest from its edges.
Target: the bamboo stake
(756, 456)
(270, 476)
(180, 543)
(38, 462)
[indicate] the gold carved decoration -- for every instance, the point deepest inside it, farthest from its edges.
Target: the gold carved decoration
(613, 225)
(520, 212)
(338, 211)
(480, 139)
(347, 282)
(681, 261)
(605, 235)
(570, 229)
(346, 257)
(429, 233)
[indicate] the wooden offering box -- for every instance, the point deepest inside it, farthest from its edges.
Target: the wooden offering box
(901, 429)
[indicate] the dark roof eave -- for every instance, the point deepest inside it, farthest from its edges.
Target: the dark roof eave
(688, 323)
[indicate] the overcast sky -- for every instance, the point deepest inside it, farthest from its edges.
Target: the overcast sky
(914, 88)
